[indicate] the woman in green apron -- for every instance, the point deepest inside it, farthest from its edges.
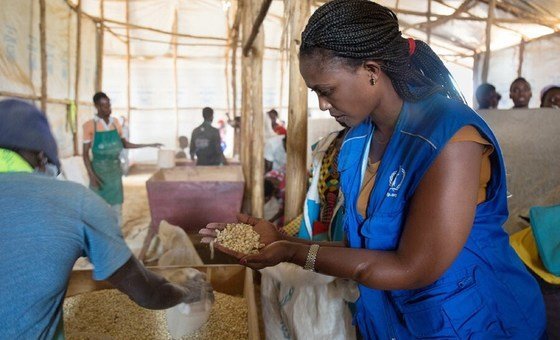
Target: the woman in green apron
(103, 136)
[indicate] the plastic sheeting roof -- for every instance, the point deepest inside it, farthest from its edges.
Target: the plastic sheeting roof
(457, 26)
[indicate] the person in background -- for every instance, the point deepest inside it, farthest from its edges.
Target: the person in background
(235, 123)
(276, 123)
(550, 96)
(47, 224)
(103, 136)
(520, 92)
(278, 180)
(323, 212)
(275, 153)
(423, 220)
(206, 142)
(183, 144)
(124, 156)
(487, 97)
(223, 132)
(273, 209)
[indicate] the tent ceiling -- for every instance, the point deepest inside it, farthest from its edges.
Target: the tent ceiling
(457, 26)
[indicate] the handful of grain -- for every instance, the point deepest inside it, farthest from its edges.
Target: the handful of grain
(239, 237)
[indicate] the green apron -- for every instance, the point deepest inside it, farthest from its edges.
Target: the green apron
(107, 145)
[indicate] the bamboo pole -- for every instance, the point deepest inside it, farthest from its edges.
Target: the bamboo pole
(256, 25)
(175, 78)
(234, 43)
(36, 97)
(296, 176)
(521, 58)
(78, 67)
(227, 63)
(70, 84)
(525, 20)
(128, 61)
(151, 29)
(489, 23)
(140, 27)
(257, 179)
(100, 47)
(246, 110)
(43, 42)
(428, 22)
(122, 38)
(283, 54)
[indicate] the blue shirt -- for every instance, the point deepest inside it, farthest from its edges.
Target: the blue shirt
(45, 226)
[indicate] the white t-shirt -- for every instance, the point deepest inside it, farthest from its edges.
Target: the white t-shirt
(274, 152)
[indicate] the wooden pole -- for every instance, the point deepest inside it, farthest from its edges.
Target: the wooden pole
(519, 20)
(257, 180)
(487, 53)
(296, 175)
(283, 53)
(428, 21)
(521, 58)
(234, 41)
(227, 64)
(256, 26)
(175, 78)
(36, 97)
(128, 62)
(100, 47)
(151, 29)
(78, 67)
(246, 110)
(43, 42)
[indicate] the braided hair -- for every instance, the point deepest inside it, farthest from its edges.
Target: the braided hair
(353, 31)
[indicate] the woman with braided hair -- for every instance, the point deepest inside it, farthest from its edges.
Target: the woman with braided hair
(424, 185)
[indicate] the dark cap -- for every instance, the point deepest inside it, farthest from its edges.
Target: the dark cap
(23, 126)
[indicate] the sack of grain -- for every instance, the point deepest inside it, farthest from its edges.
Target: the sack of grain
(178, 249)
(300, 304)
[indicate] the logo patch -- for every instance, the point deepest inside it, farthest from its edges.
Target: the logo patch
(395, 182)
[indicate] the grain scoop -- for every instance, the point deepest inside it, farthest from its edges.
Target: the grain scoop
(184, 318)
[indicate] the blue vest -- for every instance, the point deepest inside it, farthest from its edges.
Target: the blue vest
(487, 292)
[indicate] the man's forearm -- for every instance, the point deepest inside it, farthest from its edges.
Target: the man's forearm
(146, 288)
(129, 145)
(164, 295)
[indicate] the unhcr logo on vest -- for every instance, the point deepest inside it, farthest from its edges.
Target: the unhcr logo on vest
(395, 181)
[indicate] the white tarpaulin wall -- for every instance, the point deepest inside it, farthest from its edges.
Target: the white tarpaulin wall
(201, 69)
(20, 68)
(202, 60)
(540, 65)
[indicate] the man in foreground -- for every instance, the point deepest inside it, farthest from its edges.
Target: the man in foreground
(46, 225)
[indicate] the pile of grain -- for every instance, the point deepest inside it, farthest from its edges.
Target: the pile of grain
(239, 237)
(109, 314)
